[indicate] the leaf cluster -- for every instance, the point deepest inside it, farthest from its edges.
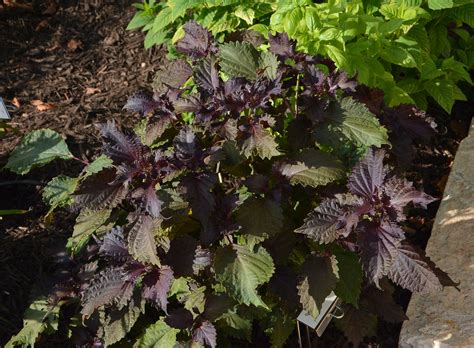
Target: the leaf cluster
(186, 226)
(412, 50)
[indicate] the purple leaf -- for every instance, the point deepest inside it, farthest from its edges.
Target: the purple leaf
(120, 147)
(114, 245)
(156, 286)
(383, 304)
(206, 76)
(281, 45)
(378, 248)
(107, 287)
(198, 192)
(401, 192)
(179, 318)
(181, 255)
(196, 42)
(368, 175)
(411, 271)
(141, 103)
(259, 142)
(185, 144)
(98, 192)
(149, 199)
(172, 75)
(330, 220)
(205, 333)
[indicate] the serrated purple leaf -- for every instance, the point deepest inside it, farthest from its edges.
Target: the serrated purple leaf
(141, 103)
(156, 285)
(378, 248)
(120, 147)
(107, 287)
(281, 45)
(114, 245)
(205, 333)
(328, 221)
(368, 175)
(412, 272)
(98, 191)
(401, 192)
(171, 76)
(197, 41)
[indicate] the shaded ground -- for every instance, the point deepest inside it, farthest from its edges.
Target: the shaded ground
(80, 59)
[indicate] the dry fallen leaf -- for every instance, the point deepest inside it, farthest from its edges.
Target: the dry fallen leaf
(42, 25)
(16, 102)
(42, 106)
(74, 44)
(92, 90)
(52, 8)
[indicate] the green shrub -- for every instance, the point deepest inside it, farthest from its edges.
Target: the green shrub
(411, 49)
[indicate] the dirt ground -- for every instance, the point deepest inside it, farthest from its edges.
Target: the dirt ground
(73, 66)
(79, 65)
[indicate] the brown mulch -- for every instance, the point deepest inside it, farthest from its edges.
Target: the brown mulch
(73, 66)
(70, 67)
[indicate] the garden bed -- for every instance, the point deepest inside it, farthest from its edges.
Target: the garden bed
(81, 65)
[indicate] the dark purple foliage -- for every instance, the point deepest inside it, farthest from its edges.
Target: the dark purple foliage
(197, 41)
(373, 214)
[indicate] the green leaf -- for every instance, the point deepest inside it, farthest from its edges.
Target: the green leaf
(292, 20)
(398, 55)
(281, 327)
(464, 14)
(58, 192)
(269, 63)
(38, 318)
(246, 13)
(313, 168)
(442, 92)
(119, 323)
(242, 270)
(440, 4)
(157, 335)
(350, 276)
(195, 301)
(141, 240)
(357, 123)
(239, 59)
(235, 325)
(140, 19)
(179, 7)
(87, 223)
(98, 164)
(318, 282)
(260, 217)
(13, 212)
(338, 56)
(36, 149)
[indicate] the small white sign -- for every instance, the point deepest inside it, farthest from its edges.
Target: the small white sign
(325, 316)
(4, 115)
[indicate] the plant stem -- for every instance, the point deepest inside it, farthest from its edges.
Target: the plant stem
(81, 160)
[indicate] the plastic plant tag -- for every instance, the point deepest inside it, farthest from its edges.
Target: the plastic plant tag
(325, 316)
(4, 115)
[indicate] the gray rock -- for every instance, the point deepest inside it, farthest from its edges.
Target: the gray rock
(446, 319)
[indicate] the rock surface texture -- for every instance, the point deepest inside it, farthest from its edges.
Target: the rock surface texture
(446, 319)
